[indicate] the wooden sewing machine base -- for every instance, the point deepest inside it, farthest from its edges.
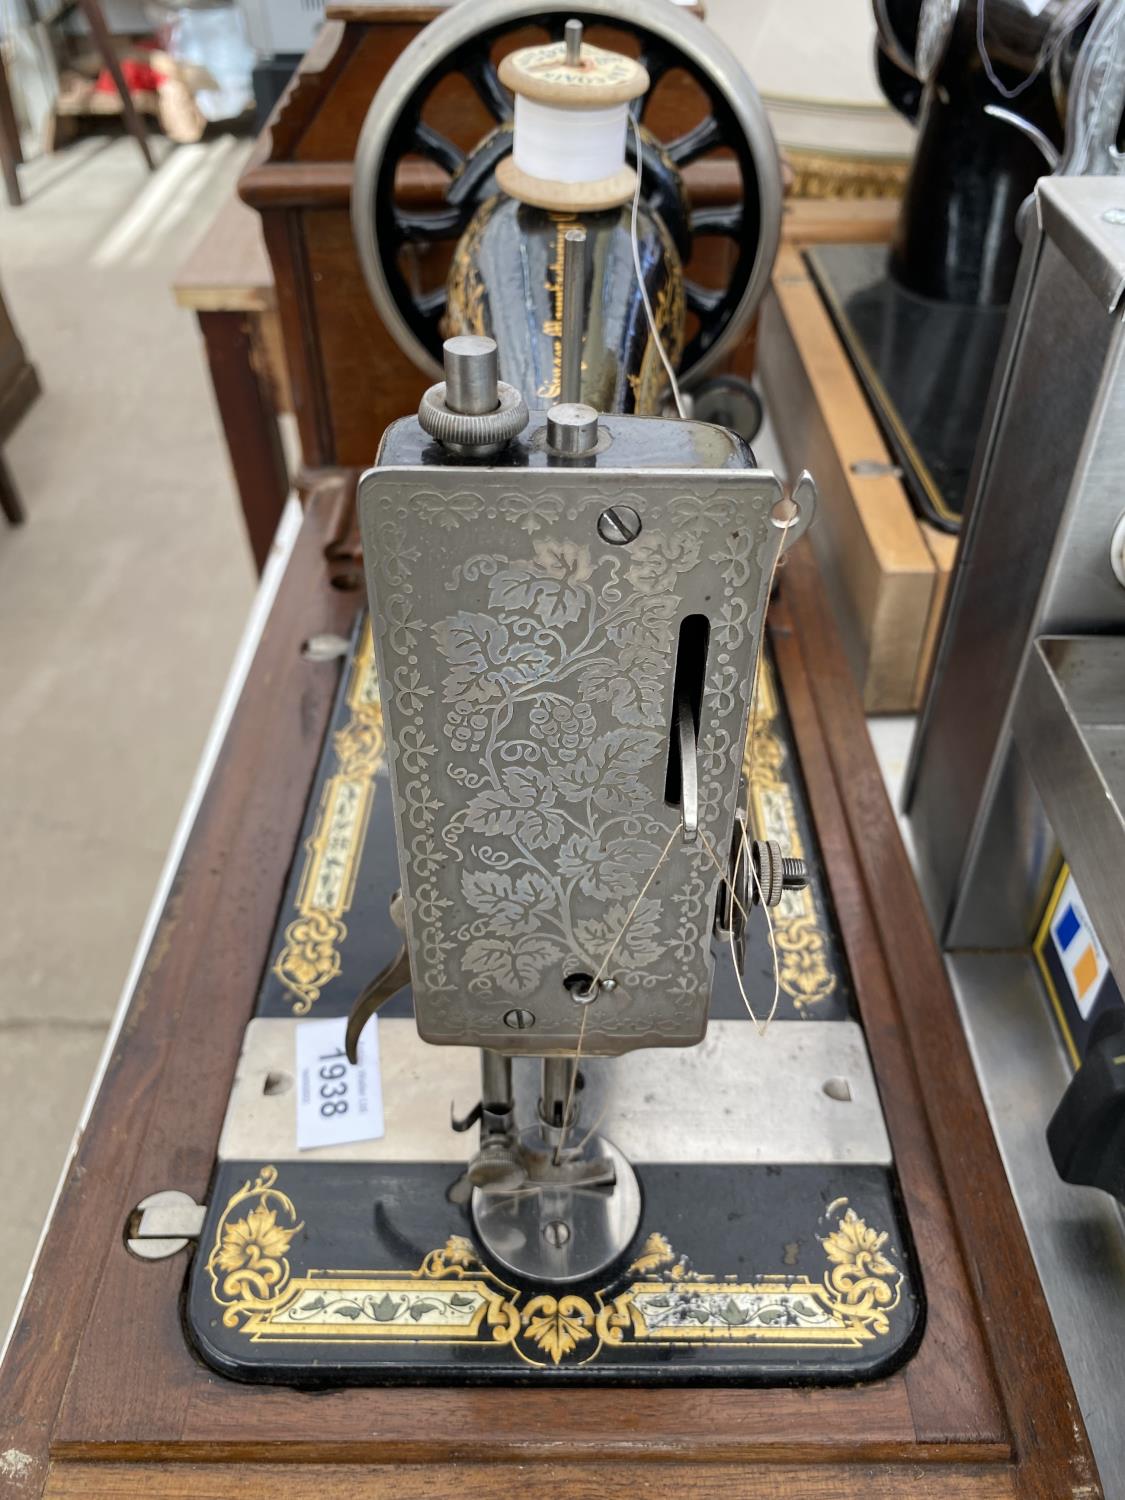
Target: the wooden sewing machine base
(771, 1247)
(103, 1392)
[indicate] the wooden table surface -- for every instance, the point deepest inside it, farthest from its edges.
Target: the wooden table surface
(228, 269)
(101, 1396)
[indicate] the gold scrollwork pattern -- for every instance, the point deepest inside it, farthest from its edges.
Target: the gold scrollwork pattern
(310, 957)
(649, 383)
(828, 175)
(804, 970)
(452, 1298)
(848, 1308)
(465, 305)
(862, 1278)
(248, 1263)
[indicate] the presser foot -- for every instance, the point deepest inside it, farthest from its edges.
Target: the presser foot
(565, 1221)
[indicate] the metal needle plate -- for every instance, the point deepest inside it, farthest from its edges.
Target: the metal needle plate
(802, 1093)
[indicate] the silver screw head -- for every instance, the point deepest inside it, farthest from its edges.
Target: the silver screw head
(619, 525)
(1114, 216)
(556, 1232)
(519, 1020)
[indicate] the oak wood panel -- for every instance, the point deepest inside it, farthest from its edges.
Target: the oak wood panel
(333, 132)
(304, 364)
(228, 269)
(384, 10)
(882, 507)
(839, 221)
(949, 1381)
(248, 411)
(480, 1482)
(1051, 1445)
(876, 560)
(369, 381)
(328, 184)
(307, 91)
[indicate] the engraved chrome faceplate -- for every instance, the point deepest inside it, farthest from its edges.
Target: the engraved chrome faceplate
(527, 670)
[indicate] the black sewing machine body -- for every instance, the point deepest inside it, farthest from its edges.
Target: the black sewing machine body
(922, 319)
(507, 282)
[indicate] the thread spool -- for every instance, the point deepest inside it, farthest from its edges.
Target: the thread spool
(560, 144)
(570, 126)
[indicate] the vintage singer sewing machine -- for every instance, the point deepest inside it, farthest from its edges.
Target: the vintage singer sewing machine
(568, 593)
(580, 893)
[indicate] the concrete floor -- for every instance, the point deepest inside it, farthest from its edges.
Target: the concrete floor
(121, 602)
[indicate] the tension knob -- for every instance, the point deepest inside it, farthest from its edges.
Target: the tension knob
(471, 412)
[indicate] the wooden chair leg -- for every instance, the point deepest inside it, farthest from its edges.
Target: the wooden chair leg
(10, 502)
(10, 153)
(95, 19)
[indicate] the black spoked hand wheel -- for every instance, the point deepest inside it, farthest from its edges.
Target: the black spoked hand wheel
(392, 235)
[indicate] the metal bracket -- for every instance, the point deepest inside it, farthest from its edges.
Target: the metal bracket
(803, 498)
(163, 1223)
(385, 986)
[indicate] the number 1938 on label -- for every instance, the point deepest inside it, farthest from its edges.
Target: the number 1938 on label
(336, 1103)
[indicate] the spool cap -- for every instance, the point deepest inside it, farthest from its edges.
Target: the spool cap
(599, 79)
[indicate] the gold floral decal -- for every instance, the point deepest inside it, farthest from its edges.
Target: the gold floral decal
(248, 1263)
(863, 1281)
(656, 1254)
(465, 305)
(848, 1308)
(802, 944)
(457, 1254)
(558, 1325)
(554, 324)
(452, 1298)
(310, 959)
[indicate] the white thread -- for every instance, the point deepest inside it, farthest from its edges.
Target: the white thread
(593, 1130)
(557, 144)
(732, 881)
(717, 862)
(744, 853)
(652, 328)
(743, 848)
(597, 979)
